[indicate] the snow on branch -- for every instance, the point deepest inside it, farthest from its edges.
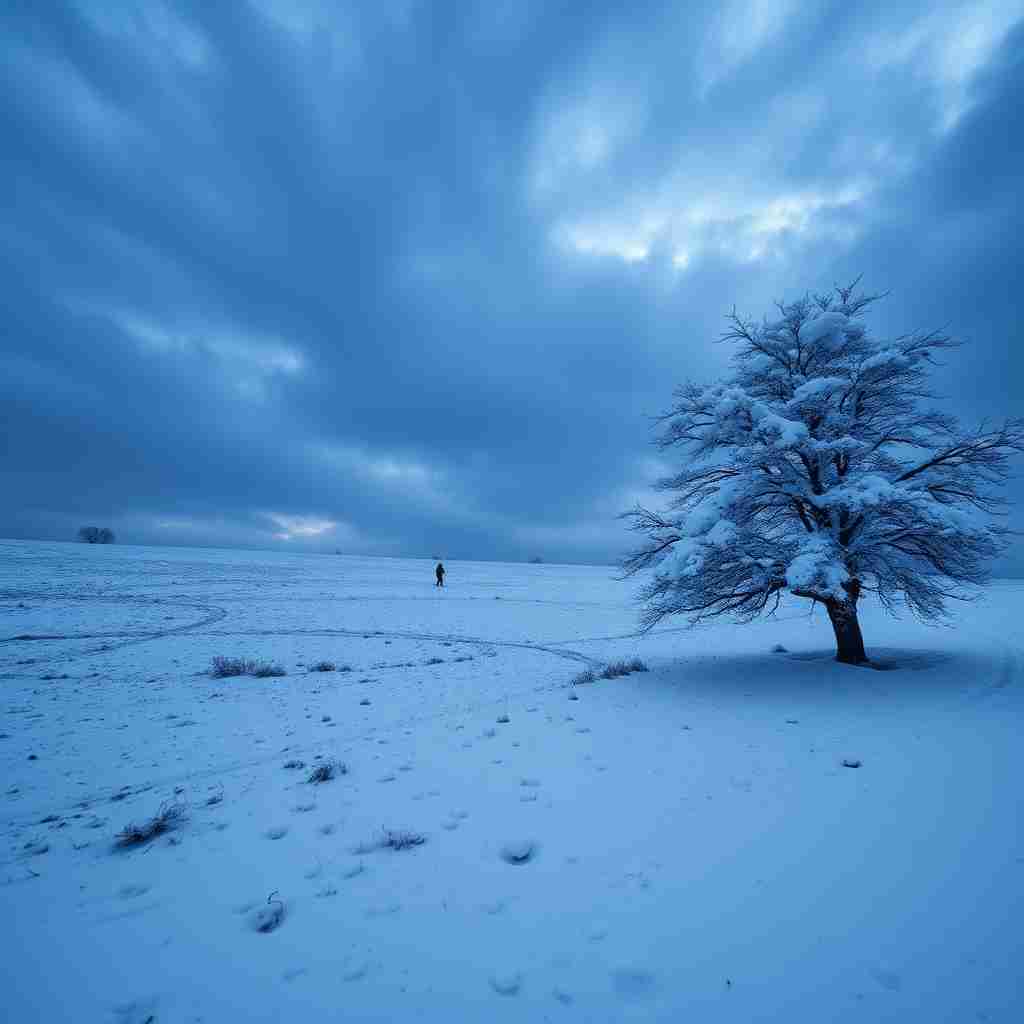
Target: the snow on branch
(815, 467)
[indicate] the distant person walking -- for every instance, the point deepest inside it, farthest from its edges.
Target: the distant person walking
(439, 573)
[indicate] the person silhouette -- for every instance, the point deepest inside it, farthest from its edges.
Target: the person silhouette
(439, 572)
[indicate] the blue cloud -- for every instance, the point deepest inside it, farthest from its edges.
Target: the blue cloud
(413, 278)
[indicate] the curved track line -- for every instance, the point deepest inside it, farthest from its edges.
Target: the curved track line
(214, 614)
(394, 634)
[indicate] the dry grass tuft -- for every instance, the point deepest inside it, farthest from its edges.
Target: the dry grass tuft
(171, 815)
(401, 839)
(622, 668)
(222, 667)
(326, 771)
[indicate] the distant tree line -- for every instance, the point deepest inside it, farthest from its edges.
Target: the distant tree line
(96, 535)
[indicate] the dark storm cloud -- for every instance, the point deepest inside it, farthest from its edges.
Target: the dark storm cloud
(411, 278)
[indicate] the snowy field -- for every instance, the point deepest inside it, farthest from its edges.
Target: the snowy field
(692, 847)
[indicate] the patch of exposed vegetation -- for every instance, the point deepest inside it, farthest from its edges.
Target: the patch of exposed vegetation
(171, 815)
(222, 667)
(615, 669)
(401, 839)
(326, 771)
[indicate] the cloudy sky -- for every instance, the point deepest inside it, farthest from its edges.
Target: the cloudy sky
(412, 277)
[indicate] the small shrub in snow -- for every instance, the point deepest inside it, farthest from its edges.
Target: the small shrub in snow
(294, 764)
(222, 668)
(323, 666)
(615, 669)
(851, 763)
(434, 661)
(586, 676)
(326, 771)
(266, 670)
(401, 839)
(170, 816)
(779, 649)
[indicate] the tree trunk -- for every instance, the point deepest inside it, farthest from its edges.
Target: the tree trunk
(849, 642)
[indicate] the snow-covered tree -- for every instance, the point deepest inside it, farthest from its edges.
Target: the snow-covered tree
(814, 469)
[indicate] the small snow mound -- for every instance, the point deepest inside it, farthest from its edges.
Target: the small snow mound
(518, 851)
(356, 972)
(507, 983)
(780, 649)
(268, 917)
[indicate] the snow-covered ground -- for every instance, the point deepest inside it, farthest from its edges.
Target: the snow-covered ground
(697, 850)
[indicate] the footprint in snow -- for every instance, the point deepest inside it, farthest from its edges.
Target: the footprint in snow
(353, 870)
(383, 910)
(130, 892)
(142, 1011)
(277, 832)
(389, 777)
(355, 972)
(633, 982)
(519, 851)
(887, 979)
(506, 983)
(267, 917)
(529, 782)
